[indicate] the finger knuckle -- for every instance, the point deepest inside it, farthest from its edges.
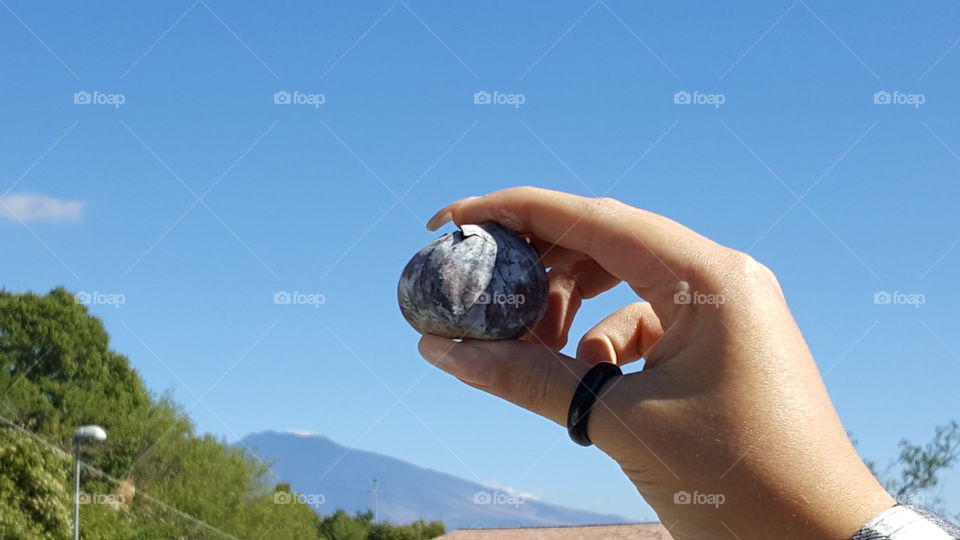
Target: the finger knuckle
(599, 210)
(523, 192)
(606, 205)
(751, 266)
(745, 267)
(535, 384)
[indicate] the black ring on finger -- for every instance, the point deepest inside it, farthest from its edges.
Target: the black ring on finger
(584, 398)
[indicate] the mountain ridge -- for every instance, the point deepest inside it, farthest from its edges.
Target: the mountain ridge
(330, 476)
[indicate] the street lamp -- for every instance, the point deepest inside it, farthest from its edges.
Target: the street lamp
(83, 433)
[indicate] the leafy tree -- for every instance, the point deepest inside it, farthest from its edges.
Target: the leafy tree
(57, 372)
(33, 497)
(415, 531)
(341, 526)
(916, 470)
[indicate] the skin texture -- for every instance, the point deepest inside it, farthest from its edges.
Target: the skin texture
(729, 403)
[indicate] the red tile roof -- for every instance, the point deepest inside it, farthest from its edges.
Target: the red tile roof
(633, 531)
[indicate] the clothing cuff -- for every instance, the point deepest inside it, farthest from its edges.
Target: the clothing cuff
(907, 523)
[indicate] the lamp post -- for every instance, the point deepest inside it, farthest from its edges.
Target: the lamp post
(83, 433)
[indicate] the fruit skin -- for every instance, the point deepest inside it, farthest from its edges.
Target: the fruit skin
(481, 282)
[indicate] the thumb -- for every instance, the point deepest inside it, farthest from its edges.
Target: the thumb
(527, 374)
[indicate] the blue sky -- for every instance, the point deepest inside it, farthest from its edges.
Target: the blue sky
(198, 198)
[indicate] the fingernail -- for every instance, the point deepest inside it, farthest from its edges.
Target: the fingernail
(445, 214)
(461, 360)
(440, 218)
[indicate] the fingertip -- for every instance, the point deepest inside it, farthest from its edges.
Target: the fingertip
(433, 348)
(484, 209)
(439, 219)
(463, 360)
(446, 214)
(551, 329)
(595, 350)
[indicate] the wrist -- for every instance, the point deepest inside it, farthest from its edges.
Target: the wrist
(829, 500)
(833, 505)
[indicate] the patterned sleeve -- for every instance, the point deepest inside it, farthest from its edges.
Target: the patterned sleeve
(907, 523)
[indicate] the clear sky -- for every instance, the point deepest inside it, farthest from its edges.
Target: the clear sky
(185, 188)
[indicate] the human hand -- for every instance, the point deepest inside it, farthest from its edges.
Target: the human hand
(729, 402)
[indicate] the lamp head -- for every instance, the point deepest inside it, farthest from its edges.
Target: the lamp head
(90, 433)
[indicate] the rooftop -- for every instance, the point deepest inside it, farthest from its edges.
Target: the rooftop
(631, 531)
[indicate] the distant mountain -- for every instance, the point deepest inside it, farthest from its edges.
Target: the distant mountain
(331, 476)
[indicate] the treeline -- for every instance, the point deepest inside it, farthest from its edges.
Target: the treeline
(154, 477)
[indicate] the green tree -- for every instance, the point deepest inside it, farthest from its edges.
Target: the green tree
(415, 531)
(57, 372)
(34, 502)
(911, 476)
(341, 526)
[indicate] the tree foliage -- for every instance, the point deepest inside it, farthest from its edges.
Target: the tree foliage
(160, 478)
(34, 501)
(916, 470)
(342, 526)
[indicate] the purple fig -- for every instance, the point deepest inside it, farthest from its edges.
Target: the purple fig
(481, 282)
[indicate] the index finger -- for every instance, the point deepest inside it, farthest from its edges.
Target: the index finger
(648, 251)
